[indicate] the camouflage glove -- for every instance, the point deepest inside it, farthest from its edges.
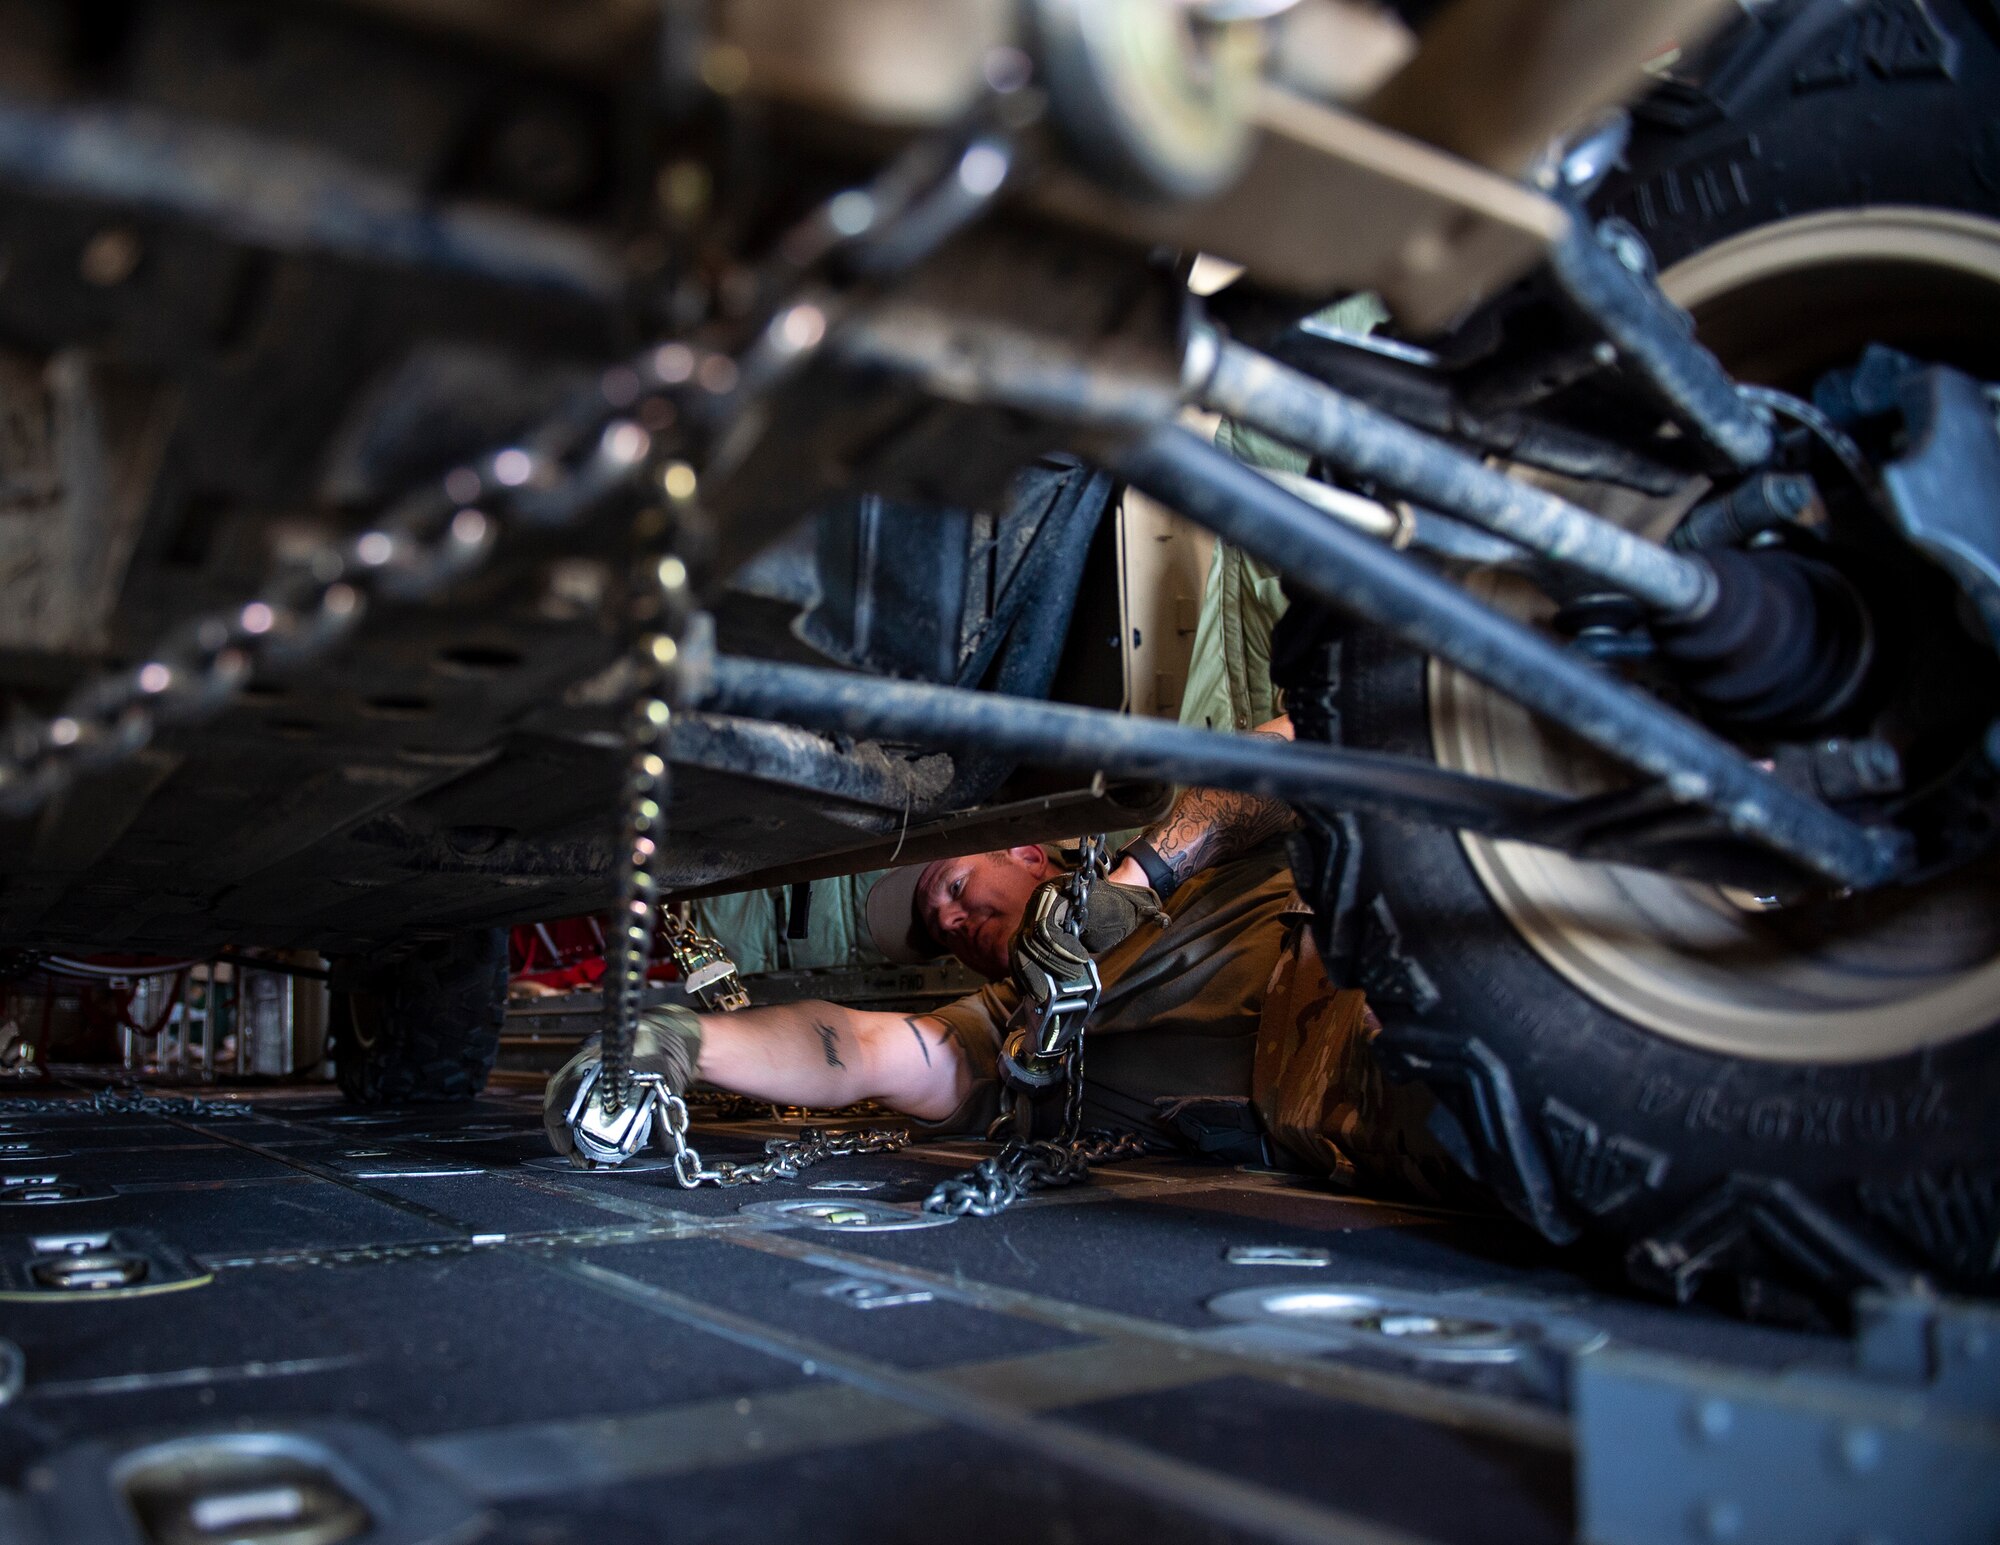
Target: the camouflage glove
(667, 1042)
(1115, 913)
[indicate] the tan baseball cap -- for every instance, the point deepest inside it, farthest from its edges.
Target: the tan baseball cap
(895, 926)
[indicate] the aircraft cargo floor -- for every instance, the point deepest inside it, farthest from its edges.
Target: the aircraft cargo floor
(475, 1342)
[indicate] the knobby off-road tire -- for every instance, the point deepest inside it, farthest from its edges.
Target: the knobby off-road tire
(1833, 181)
(423, 1024)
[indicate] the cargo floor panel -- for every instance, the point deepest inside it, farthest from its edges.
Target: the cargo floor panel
(833, 1304)
(407, 1343)
(931, 1486)
(108, 1163)
(1487, 1491)
(606, 1356)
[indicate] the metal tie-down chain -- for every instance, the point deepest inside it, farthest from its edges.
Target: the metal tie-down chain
(915, 205)
(661, 608)
(317, 591)
(652, 1111)
(616, 1109)
(1059, 993)
(129, 1102)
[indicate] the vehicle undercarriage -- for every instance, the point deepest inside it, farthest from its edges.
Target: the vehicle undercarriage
(458, 469)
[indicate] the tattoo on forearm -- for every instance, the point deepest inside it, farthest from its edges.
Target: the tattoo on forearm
(921, 1045)
(829, 1043)
(1212, 826)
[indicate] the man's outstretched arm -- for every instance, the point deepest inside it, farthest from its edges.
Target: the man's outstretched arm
(824, 1055)
(1206, 827)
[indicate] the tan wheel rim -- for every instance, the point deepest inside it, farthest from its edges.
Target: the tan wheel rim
(1848, 982)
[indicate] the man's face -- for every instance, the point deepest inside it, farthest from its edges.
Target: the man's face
(973, 905)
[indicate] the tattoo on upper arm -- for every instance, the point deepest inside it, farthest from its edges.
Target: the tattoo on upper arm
(922, 1046)
(829, 1043)
(1212, 826)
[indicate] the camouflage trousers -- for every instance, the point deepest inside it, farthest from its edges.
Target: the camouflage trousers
(1321, 1092)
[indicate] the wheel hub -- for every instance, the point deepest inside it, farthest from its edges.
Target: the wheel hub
(1837, 979)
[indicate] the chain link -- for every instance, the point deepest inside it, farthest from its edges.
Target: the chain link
(721, 1105)
(665, 1118)
(317, 591)
(996, 1184)
(658, 660)
(1093, 862)
(786, 1157)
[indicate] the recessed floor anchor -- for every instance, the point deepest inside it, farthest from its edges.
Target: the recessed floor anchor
(28, 1150)
(45, 1190)
(638, 1164)
(1460, 1328)
(317, 1483)
(110, 1263)
(1277, 1255)
(89, 1271)
(864, 1292)
(855, 1217)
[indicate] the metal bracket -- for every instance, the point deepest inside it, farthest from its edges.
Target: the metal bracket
(706, 970)
(1946, 493)
(1904, 1445)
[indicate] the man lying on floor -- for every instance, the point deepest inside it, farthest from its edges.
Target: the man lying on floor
(1217, 1030)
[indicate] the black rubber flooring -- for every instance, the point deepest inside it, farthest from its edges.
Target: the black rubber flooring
(520, 1353)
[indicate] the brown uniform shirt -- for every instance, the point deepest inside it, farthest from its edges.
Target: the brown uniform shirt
(1180, 1010)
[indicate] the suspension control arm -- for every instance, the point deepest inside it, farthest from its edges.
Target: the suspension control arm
(1367, 443)
(1058, 735)
(1349, 570)
(1123, 745)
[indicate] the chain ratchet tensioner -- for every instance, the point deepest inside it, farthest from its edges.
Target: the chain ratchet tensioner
(1060, 989)
(1057, 979)
(704, 965)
